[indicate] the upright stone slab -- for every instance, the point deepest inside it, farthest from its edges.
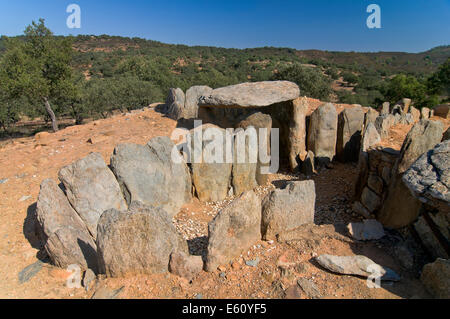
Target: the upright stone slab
(193, 95)
(425, 113)
(137, 241)
(175, 104)
(383, 124)
(288, 208)
(245, 160)
(385, 108)
(415, 114)
(235, 229)
(350, 125)
(297, 132)
(154, 174)
(370, 116)
(211, 167)
(322, 133)
(91, 188)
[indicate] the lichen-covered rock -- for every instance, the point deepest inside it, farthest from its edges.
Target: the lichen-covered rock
(154, 174)
(436, 278)
(322, 133)
(234, 230)
(137, 241)
(256, 94)
(288, 208)
(91, 188)
(415, 114)
(350, 125)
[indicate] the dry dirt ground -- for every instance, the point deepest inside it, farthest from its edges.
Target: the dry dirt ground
(25, 162)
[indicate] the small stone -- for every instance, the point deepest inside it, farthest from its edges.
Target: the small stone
(309, 287)
(4, 180)
(29, 272)
(24, 198)
(89, 277)
(252, 263)
(368, 230)
(107, 293)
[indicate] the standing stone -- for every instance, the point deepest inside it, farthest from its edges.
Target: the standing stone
(137, 241)
(149, 174)
(70, 246)
(385, 108)
(370, 200)
(422, 137)
(383, 124)
(245, 160)
(259, 121)
(370, 116)
(370, 138)
(322, 133)
(297, 132)
(436, 278)
(415, 114)
(211, 172)
(91, 189)
(288, 208)
(404, 104)
(367, 230)
(193, 95)
(236, 228)
(442, 110)
(175, 104)
(425, 113)
(350, 125)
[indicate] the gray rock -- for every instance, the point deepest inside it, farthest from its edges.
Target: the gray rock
(446, 135)
(383, 124)
(309, 287)
(361, 210)
(322, 133)
(91, 189)
(185, 266)
(436, 278)
(404, 104)
(252, 263)
(297, 132)
(193, 95)
(429, 177)
(88, 279)
(256, 94)
(370, 137)
(422, 137)
(137, 241)
(211, 178)
(234, 230)
(370, 200)
(415, 114)
(259, 121)
(308, 167)
(375, 183)
(68, 246)
(53, 210)
(385, 108)
(147, 173)
(107, 293)
(288, 208)
(30, 271)
(356, 265)
(4, 180)
(245, 160)
(425, 113)
(370, 116)
(175, 104)
(369, 229)
(24, 198)
(350, 125)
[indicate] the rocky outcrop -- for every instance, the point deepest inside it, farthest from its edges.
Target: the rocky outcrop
(91, 189)
(288, 208)
(137, 241)
(256, 94)
(175, 104)
(350, 125)
(322, 133)
(234, 230)
(154, 174)
(436, 278)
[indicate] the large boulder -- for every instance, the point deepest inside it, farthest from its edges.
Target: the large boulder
(256, 94)
(322, 133)
(137, 241)
(259, 121)
(175, 104)
(91, 188)
(350, 125)
(193, 94)
(436, 278)
(442, 110)
(72, 246)
(154, 174)
(422, 137)
(211, 172)
(288, 208)
(429, 177)
(65, 236)
(235, 229)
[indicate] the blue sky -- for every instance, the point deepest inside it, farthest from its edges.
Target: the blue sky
(335, 25)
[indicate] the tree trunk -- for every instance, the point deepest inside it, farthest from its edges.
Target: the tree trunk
(51, 114)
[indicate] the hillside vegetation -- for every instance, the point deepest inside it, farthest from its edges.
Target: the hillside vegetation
(109, 73)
